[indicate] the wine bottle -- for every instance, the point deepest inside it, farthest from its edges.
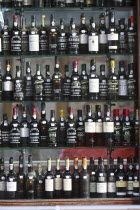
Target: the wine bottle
(2, 180)
(62, 39)
(73, 39)
(47, 85)
(21, 179)
(18, 86)
(131, 81)
(126, 129)
(58, 180)
(129, 177)
(111, 180)
(43, 127)
(83, 36)
(15, 37)
(53, 36)
(103, 84)
(52, 130)
(93, 179)
(84, 82)
(5, 33)
(131, 36)
(136, 180)
(28, 83)
(33, 38)
(5, 131)
(80, 129)
(39, 185)
(24, 38)
(117, 136)
(75, 180)
(98, 126)
(122, 36)
(61, 129)
(43, 37)
(102, 35)
(66, 84)
(67, 181)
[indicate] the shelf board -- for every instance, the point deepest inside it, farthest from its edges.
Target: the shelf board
(71, 202)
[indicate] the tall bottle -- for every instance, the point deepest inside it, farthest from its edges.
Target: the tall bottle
(24, 129)
(93, 179)
(61, 129)
(103, 84)
(67, 180)
(102, 35)
(38, 3)
(15, 130)
(43, 37)
(53, 36)
(39, 185)
(38, 84)
(117, 136)
(98, 126)
(84, 82)
(15, 37)
(5, 131)
(126, 129)
(136, 128)
(111, 180)
(18, 86)
(59, 3)
(28, 83)
(100, 3)
(93, 38)
(93, 82)
(101, 179)
(62, 38)
(24, 38)
(136, 179)
(75, 180)
(34, 130)
(112, 36)
(1, 78)
(58, 181)
(66, 84)
(47, 3)
(83, 36)
(11, 182)
(131, 81)
(131, 35)
(73, 39)
(122, 81)
(49, 181)
(80, 129)
(122, 36)
(2, 180)
(71, 132)
(21, 179)
(5, 33)
(52, 130)
(43, 127)
(89, 127)
(47, 85)
(75, 83)
(129, 177)
(33, 38)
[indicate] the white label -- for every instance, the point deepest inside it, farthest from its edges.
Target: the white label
(58, 184)
(67, 184)
(0, 46)
(11, 186)
(33, 43)
(111, 187)
(89, 127)
(103, 39)
(69, 1)
(123, 87)
(2, 186)
(49, 185)
(24, 132)
(108, 127)
(130, 185)
(111, 37)
(94, 85)
(121, 193)
(113, 47)
(136, 184)
(98, 127)
(93, 187)
(7, 86)
(83, 39)
(93, 43)
(102, 187)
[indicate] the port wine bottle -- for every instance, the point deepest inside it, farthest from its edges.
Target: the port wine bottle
(5, 131)
(67, 181)
(75, 180)
(58, 181)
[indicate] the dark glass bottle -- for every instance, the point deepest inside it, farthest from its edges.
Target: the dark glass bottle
(112, 36)
(5, 33)
(66, 84)
(98, 126)
(100, 3)
(69, 3)
(7, 84)
(18, 86)
(21, 179)
(89, 127)
(52, 131)
(130, 3)
(112, 82)
(62, 39)
(39, 3)
(47, 88)
(11, 182)
(126, 129)
(67, 181)
(5, 131)
(15, 130)
(24, 129)
(24, 38)
(38, 84)
(2, 180)
(43, 37)
(43, 127)
(75, 83)
(103, 84)
(30, 180)
(136, 179)
(6, 3)
(83, 36)
(93, 38)
(108, 126)
(34, 130)
(58, 181)
(57, 82)
(84, 82)
(79, 3)
(118, 3)
(122, 81)
(53, 37)
(111, 180)
(73, 39)
(71, 132)
(15, 37)
(122, 36)
(1, 78)
(27, 3)
(39, 185)
(47, 3)
(131, 81)
(49, 181)
(59, 3)
(93, 82)
(33, 38)
(93, 179)
(75, 180)
(103, 48)
(131, 36)
(28, 83)
(136, 128)
(80, 129)
(129, 177)
(117, 128)
(61, 130)
(101, 179)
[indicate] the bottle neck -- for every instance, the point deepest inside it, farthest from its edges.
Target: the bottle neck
(11, 167)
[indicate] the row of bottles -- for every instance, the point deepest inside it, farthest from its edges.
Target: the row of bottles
(51, 40)
(89, 182)
(92, 130)
(72, 87)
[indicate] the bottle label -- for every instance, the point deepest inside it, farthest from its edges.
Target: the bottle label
(67, 184)
(111, 187)
(27, 2)
(98, 127)
(15, 136)
(123, 91)
(28, 89)
(16, 42)
(7, 86)
(11, 186)
(108, 127)
(43, 42)
(131, 41)
(89, 127)
(76, 89)
(71, 135)
(122, 40)
(24, 132)
(127, 133)
(6, 42)
(130, 185)
(18, 90)
(113, 87)
(136, 184)
(52, 133)
(62, 43)
(66, 89)
(24, 42)
(2, 186)
(93, 187)
(34, 136)
(34, 43)
(5, 135)
(102, 38)
(38, 87)
(73, 42)
(121, 183)
(113, 37)
(48, 89)
(93, 43)
(69, 1)
(102, 187)
(49, 185)
(58, 184)
(93, 85)
(103, 88)
(83, 38)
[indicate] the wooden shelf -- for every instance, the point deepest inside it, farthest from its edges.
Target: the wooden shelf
(73, 202)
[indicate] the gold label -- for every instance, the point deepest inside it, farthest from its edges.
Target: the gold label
(112, 64)
(121, 183)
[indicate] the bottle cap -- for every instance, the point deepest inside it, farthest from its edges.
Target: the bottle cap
(116, 112)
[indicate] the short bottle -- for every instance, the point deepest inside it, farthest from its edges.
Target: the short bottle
(75, 180)
(58, 181)
(67, 180)
(21, 179)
